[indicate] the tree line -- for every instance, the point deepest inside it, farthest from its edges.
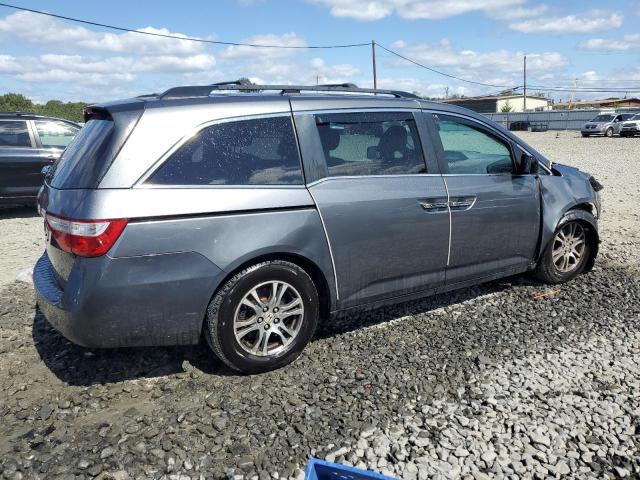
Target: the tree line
(15, 102)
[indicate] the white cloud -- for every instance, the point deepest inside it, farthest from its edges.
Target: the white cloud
(285, 40)
(424, 88)
(628, 42)
(10, 64)
(497, 67)
(468, 63)
(47, 31)
(590, 21)
(57, 75)
(111, 71)
(517, 13)
(341, 73)
(367, 10)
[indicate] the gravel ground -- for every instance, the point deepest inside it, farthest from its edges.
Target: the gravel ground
(481, 383)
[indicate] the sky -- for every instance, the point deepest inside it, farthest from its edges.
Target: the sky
(567, 43)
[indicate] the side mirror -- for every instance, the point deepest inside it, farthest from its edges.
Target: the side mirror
(373, 153)
(527, 164)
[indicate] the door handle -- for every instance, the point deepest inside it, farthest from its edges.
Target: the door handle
(462, 203)
(433, 205)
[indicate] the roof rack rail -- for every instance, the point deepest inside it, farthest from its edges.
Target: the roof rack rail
(17, 114)
(243, 85)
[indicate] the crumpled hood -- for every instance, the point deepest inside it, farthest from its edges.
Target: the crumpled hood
(565, 170)
(576, 178)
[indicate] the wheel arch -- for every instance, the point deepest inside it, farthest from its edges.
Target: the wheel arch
(320, 280)
(583, 213)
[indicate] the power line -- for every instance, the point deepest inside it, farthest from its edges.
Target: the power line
(303, 47)
(440, 72)
(585, 89)
(177, 37)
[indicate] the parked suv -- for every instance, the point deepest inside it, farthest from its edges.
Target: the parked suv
(605, 124)
(27, 144)
(631, 126)
(248, 219)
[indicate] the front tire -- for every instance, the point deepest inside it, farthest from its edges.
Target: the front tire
(566, 255)
(608, 132)
(585, 135)
(262, 318)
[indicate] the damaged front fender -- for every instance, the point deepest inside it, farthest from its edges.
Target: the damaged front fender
(567, 195)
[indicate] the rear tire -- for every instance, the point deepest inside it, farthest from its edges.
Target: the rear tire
(263, 317)
(566, 255)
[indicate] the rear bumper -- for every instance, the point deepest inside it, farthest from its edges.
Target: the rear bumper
(125, 302)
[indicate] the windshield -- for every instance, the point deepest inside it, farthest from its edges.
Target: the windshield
(603, 118)
(634, 117)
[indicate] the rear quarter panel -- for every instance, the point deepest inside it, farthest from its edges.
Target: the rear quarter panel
(234, 239)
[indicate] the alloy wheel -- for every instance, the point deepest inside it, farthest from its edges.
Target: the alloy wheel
(268, 318)
(568, 247)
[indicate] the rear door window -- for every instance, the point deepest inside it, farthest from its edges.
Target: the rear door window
(14, 134)
(370, 143)
(83, 161)
(55, 134)
(248, 152)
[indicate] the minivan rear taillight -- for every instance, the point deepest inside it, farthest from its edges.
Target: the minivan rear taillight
(85, 238)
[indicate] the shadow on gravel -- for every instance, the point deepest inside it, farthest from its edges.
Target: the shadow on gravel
(81, 366)
(20, 211)
(366, 317)
(484, 329)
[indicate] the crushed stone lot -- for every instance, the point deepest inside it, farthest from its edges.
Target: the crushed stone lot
(485, 382)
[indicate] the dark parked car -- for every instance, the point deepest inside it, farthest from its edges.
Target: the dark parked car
(27, 144)
(247, 219)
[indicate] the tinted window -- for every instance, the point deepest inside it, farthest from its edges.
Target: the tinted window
(14, 134)
(370, 144)
(603, 118)
(84, 157)
(55, 134)
(249, 152)
(469, 149)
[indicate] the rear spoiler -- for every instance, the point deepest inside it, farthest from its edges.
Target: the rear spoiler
(95, 112)
(108, 110)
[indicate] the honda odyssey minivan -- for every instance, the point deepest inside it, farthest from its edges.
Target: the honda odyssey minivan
(248, 219)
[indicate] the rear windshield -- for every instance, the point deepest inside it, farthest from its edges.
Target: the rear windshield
(83, 162)
(603, 118)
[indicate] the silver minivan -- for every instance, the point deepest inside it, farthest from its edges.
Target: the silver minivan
(249, 218)
(606, 124)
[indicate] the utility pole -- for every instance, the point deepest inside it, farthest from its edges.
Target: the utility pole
(373, 60)
(524, 91)
(575, 86)
(446, 92)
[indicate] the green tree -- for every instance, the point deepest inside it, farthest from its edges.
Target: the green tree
(15, 102)
(246, 82)
(507, 107)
